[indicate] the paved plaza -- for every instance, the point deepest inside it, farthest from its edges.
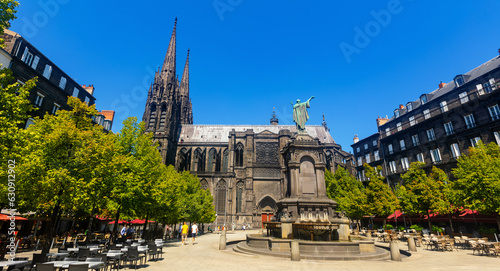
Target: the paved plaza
(204, 255)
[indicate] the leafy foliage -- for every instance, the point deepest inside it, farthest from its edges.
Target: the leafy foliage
(380, 198)
(347, 192)
(477, 183)
(7, 13)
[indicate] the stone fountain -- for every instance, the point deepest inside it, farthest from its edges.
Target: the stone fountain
(305, 213)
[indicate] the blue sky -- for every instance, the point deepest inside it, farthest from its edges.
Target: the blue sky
(360, 59)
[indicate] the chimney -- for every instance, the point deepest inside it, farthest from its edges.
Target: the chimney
(499, 51)
(381, 121)
(441, 85)
(355, 139)
(89, 89)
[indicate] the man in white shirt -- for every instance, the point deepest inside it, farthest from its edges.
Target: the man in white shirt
(123, 231)
(194, 230)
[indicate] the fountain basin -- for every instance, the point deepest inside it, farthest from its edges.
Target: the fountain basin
(364, 249)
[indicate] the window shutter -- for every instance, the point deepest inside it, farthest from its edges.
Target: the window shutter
(497, 137)
(479, 88)
(492, 83)
(24, 54)
(35, 62)
(432, 156)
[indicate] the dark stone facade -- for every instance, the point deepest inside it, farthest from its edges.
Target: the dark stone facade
(241, 165)
(438, 127)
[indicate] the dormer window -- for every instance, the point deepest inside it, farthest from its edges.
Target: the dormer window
(409, 107)
(459, 80)
(396, 113)
(423, 99)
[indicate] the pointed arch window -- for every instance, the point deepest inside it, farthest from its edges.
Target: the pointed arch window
(184, 160)
(199, 157)
(152, 118)
(211, 160)
(239, 155)
(225, 156)
(163, 115)
(204, 184)
(221, 197)
(239, 196)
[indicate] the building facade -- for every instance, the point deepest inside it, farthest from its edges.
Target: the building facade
(242, 165)
(438, 127)
(54, 86)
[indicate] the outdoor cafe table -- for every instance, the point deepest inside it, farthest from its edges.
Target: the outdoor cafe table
(10, 263)
(57, 255)
(92, 249)
(65, 264)
(115, 255)
(486, 247)
(139, 249)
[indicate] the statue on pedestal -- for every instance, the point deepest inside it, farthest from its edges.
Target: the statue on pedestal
(300, 115)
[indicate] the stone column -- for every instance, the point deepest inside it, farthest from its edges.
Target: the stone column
(222, 240)
(295, 251)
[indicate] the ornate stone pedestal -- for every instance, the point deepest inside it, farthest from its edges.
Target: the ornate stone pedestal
(305, 199)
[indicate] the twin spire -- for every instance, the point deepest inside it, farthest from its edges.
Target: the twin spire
(168, 69)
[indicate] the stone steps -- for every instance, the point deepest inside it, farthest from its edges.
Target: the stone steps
(380, 254)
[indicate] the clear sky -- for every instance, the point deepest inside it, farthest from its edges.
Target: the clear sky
(360, 59)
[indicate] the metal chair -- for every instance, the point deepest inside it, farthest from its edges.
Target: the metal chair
(45, 267)
(132, 256)
(78, 267)
(153, 251)
(83, 253)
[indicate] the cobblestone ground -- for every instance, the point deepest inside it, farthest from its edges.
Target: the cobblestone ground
(204, 255)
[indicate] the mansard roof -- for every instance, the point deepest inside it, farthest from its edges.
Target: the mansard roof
(220, 133)
(468, 77)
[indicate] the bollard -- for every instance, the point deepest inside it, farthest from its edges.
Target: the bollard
(222, 241)
(395, 255)
(411, 244)
(294, 248)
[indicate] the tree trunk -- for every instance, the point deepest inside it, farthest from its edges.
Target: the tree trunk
(451, 224)
(144, 231)
(114, 233)
(89, 228)
(498, 221)
(429, 221)
(51, 226)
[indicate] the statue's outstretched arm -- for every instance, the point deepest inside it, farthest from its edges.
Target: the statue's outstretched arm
(291, 103)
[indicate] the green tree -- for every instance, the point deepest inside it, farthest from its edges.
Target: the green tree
(379, 196)
(7, 14)
(14, 109)
(477, 183)
(53, 176)
(347, 192)
(407, 201)
(430, 191)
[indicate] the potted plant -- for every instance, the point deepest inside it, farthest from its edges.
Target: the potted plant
(437, 229)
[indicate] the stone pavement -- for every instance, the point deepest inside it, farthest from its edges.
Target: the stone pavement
(204, 255)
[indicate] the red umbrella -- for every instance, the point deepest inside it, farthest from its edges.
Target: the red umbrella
(4, 217)
(120, 222)
(140, 221)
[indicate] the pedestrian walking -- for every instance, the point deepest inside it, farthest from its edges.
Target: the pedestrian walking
(185, 230)
(194, 231)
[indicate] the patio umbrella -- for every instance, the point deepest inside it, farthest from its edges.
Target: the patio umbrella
(4, 217)
(140, 221)
(120, 222)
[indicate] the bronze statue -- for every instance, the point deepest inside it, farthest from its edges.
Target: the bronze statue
(300, 115)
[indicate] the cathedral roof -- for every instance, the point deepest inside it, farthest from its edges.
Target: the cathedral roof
(220, 133)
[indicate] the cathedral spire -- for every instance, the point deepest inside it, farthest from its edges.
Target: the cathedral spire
(187, 111)
(168, 69)
(185, 79)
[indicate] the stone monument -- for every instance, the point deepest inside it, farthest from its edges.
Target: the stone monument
(305, 208)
